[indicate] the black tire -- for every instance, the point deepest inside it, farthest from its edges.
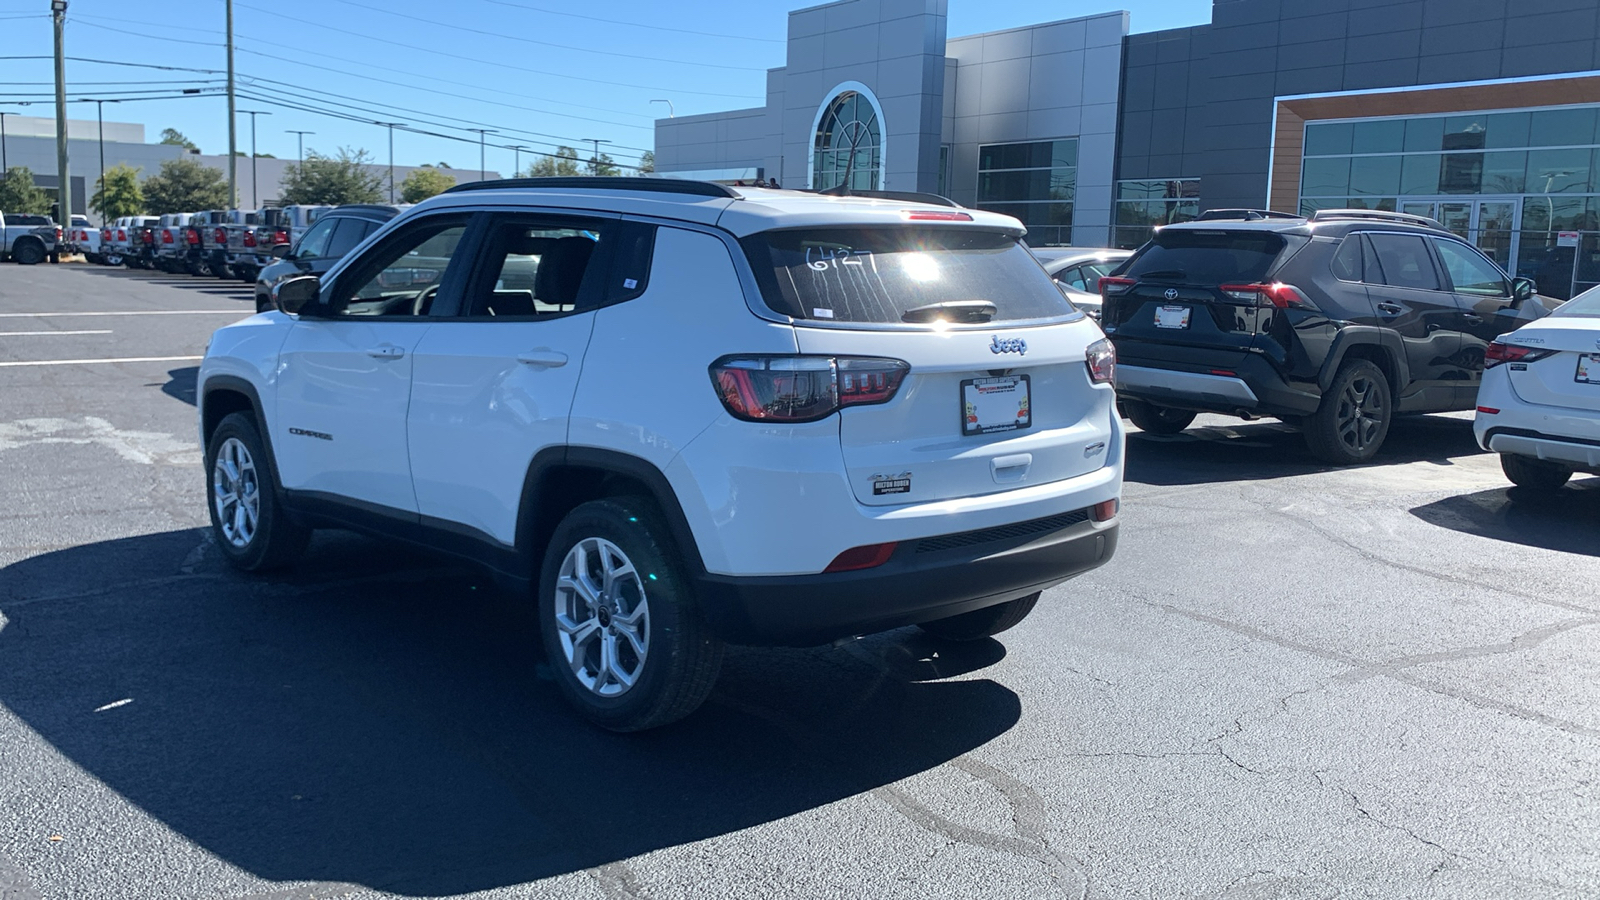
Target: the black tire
(1354, 417)
(1157, 419)
(28, 252)
(55, 257)
(1539, 475)
(681, 656)
(982, 623)
(275, 542)
(246, 275)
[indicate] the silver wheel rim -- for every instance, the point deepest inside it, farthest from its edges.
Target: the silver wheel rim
(236, 493)
(602, 617)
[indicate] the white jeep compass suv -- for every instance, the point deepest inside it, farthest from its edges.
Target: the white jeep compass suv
(677, 414)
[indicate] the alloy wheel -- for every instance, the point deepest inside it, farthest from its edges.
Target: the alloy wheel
(602, 617)
(1360, 414)
(236, 493)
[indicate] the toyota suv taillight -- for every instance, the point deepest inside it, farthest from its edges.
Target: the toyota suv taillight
(803, 388)
(1276, 294)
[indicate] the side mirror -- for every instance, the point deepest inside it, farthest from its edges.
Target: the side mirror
(1523, 289)
(280, 251)
(293, 294)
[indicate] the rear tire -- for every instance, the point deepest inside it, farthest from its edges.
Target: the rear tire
(1157, 419)
(622, 631)
(982, 623)
(1541, 476)
(28, 252)
(250, 527)
(1353, 419)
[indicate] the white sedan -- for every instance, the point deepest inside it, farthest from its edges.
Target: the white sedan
(1539, 403)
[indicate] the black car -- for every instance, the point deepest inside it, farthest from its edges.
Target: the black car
(336, 233)
(1334, 323)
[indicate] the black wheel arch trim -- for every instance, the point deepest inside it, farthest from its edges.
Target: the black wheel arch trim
(235, 384)
(1366, 336)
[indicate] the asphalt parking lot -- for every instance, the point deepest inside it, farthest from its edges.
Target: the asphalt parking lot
(1291, 681)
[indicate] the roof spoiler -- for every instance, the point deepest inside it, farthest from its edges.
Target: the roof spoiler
(604, 183)
(903, 196)
(1377, 215)
(1246, 215)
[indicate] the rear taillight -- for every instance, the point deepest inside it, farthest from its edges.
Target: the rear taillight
(191, 235)
(280, 236)
(122, 234)
(105, 235)
(803, 388)
(1101, 358)
(166, 236)
(1105, 510)
(1497, 353)
(58, 235)
(1276, 294)
(1112, 287)
(220, 236)
(869, 556)
(149, 236)
(249, 238)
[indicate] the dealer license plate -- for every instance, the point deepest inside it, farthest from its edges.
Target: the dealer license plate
(996, 404)
(1173, 316)
(1588, 368)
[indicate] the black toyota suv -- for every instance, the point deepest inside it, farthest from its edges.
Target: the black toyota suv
(1334, 323)
(335, 233)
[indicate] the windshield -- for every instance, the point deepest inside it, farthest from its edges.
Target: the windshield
(1207, 257)
(1585, 305)
(903, 275)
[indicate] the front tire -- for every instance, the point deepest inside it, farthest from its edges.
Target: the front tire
(247, 522)
(1157, 419)
(1541, 476)
(1353, 419)
(982, 623)
(28, 253)
(621, 629)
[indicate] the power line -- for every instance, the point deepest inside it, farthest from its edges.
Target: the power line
(114, 62)
(557, 12)
(122, 30)
(526, 40)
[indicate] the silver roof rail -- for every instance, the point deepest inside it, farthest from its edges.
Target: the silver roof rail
(1376, 215)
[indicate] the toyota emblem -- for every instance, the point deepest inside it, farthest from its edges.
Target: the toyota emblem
(1171, 294)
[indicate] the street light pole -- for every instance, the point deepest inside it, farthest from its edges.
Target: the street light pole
(4, 168)
(233, 144)
(58, 12)
(99, 117)
(671, 113)
(391, 156)
(255, 198)
(300, 151)
(516, 168)
(483, 133)
(594, 164)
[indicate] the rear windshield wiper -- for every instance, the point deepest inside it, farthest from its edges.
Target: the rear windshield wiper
(1165, 275)
(951, 311)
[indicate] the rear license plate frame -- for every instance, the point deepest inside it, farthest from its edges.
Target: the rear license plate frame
(1588, 371)
(1166, 312)
(984, 403)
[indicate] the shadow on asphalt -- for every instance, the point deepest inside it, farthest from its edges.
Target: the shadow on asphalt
(1249, 451)
(382, 718)
(1567, 520)
(182, 384)
(206, 284)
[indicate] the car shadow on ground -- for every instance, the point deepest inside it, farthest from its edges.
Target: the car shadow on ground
(379, 717)
(181, 384)
(1248, 451)
(1567, 520)
(206, 284)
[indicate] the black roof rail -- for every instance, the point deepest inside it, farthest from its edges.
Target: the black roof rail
(605, 183)
(1248, 215)
(1377, 215)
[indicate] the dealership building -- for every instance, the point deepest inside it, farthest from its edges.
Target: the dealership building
(1482, 114)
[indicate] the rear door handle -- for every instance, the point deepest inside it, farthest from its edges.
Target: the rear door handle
(1472, 318)
(386, 351)
(550, 359)
(1391, 308)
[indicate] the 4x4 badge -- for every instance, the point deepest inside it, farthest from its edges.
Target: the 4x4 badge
(1015, 345)
(1171, 294)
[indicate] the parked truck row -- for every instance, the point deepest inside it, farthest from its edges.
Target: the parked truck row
(225, 243)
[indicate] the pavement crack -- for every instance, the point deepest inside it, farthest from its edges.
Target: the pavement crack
(1523, 642)
(1446, 854)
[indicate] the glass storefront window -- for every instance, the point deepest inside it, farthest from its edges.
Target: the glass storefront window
(1419, 174)
(1328, 140)
(1559, 171)
(1460, 173)
(1325, 176)
(1036, 182)
(1375, 175)
(1144, 205)
(1463, 133)
(1424, 134)
(1379, 136)
(1562, 128)
(1507, 130)
(1503, 173)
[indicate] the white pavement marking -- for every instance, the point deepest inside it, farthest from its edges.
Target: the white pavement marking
(136, 312)
(89, 362)
(114, 704)
(143, 447)
(31, 333)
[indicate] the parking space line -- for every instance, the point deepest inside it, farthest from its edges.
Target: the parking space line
(90, 362)
(31, 333)
(140, 312)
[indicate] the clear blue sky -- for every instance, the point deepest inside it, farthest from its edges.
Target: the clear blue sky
(542, 72)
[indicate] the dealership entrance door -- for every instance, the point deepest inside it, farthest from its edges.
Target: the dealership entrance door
(1491, 223)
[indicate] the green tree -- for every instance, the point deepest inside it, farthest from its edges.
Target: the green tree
(118, 194)
(19, 195)
(563, 162)
(184, 185)
(333, 180)
(604, 166)
(175, 137)
(424, 183)
(647, 161)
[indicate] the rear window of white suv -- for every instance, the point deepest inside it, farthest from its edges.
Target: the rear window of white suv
(903, 276)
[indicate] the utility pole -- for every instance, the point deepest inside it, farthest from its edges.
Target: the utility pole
(594, 164)
(58, 12)
(4, 168)
(255, 198)
(300, 153)
(516, 168)
(391, 155)
(233, 136)
(99, 117)
(483, 173)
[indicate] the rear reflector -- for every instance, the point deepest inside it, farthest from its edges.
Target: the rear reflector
(1489, 410)
(1105, 510)
(1225, 372)
(867, 557)
(932, 215)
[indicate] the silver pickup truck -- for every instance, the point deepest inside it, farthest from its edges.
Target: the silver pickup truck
(277, 225)
(28, 240)
(241, 234)
(170, 246)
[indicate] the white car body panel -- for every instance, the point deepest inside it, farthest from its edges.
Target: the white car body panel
(1548, 413)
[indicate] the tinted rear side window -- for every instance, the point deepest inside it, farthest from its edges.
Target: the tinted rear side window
(875, 275)
(1403, 261)
(1208, 257)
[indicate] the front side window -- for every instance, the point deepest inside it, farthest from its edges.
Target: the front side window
(905, 275)
(314, 244)
(1469, 272)
(404, 277)
(346, 237)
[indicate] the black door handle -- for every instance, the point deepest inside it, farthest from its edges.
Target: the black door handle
(1392, 308)
(1472, 318)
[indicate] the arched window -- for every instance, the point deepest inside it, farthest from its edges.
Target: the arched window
(849, 139)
